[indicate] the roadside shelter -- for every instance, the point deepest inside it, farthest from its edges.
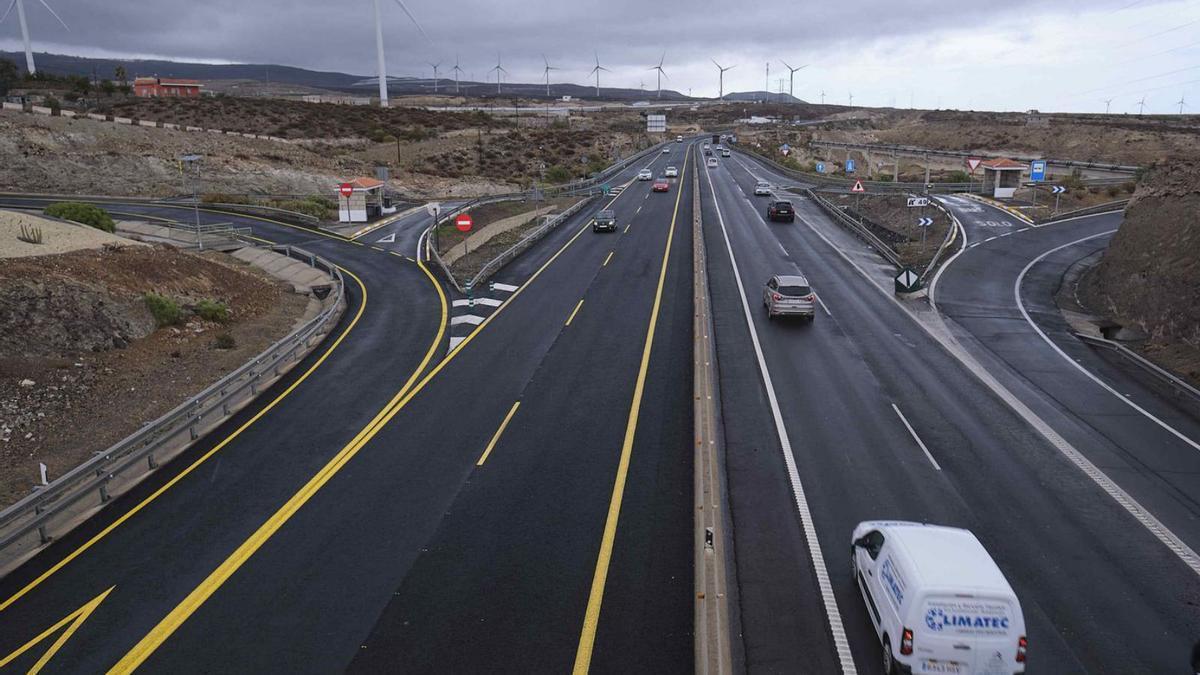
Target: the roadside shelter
(1002, 177)
(364, 203)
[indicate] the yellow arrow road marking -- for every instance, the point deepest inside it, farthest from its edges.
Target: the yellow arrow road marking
(75, 619)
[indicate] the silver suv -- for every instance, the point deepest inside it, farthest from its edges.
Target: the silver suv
(789, 295)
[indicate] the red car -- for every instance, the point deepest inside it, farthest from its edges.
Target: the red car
(661, 185)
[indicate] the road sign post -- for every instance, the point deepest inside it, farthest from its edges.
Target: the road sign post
(907, 281)
(1057, 191)
(1037, 174)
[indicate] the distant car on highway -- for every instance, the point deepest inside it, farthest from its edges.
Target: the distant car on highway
(762, 188)
(661, 185)
(645, 174)
(711, 163)
(679, 139)
(605, 221)
(666, 151)
(671, 172)
(938, 601)
(724, 152)
(780, 209)
(789, 296)
(707, 150)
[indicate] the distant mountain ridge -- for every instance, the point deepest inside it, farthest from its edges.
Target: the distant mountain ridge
(103, 68)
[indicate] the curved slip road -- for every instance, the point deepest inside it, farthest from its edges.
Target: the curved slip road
(152, 544)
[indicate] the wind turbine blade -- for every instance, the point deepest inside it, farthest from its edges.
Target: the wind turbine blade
(51, 10)
(664, 73)
(660, 61)
(8, 11)
(402, 6)
(716, 64)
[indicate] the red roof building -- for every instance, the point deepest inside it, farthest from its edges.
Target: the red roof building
(151, 87)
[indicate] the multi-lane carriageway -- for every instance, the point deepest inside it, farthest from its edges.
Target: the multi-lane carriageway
(523, 503)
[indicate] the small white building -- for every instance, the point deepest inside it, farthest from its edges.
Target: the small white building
(1002, 177)
(364, 203)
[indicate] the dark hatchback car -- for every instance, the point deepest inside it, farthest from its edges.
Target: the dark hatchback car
(781, 209)
(605, 220)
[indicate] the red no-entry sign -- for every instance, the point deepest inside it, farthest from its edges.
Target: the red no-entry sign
(463, 222)
(346, 189)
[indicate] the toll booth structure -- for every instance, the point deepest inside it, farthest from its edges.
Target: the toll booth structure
(1001, 177)
(364, 204)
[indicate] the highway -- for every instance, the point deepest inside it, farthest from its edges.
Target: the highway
(1083, 567)
(516, 496)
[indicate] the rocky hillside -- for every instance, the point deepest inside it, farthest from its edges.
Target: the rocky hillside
(1150, 275)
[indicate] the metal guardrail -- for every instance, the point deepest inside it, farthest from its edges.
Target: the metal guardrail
(857, 228)
(910, 150)
(528, 240)
(65, 496)
(949, 239)
(1107, 207)
(1177, 385)
(834, 183)
(255, 209)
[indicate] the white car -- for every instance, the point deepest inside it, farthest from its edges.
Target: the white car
(938, 601)
(645, 174)
(679, 139)
(761, 188)
(671, 172)
(711, 162)
(666, 151)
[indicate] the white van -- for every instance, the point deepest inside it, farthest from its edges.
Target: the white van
(937, 599)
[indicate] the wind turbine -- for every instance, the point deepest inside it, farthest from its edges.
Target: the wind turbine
(597, 70)
(498, 69)
(1141, 105)
(1181, 103)
(721, 78)
(20, 5)
(661, 73)
(456, 71)
(548, 69)
(767, 80)
(435, 74)
(822, 97)
(851, 99)
(792, 77)
(1107, 105)
(383, 85)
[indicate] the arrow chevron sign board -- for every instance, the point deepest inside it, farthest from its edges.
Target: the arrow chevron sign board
(1057, 190)
(925, 222)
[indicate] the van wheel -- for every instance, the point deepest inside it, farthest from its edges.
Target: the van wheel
(889, 663)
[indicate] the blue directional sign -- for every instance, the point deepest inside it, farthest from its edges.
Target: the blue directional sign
(1037, 170)
(820, 167)
(849, 166)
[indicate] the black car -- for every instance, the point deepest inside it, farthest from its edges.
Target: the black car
(781, 209)
(605, 220)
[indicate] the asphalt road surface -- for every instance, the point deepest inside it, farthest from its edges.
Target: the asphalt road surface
(1084, 569)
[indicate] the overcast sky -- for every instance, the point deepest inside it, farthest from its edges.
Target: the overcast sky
(1067, 55)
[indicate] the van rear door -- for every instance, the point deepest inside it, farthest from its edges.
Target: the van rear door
(965, 634)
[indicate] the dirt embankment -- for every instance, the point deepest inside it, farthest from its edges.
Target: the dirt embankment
(1150, 275)
(82, 363)
(893, 220)
(1119, 139)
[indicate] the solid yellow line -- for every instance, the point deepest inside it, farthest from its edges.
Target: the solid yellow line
(170, 623)
(591, 618)
(491, 444)
(610, 255)
(574, 312)
(194, 465)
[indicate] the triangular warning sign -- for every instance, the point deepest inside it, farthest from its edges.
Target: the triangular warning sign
(858, 187)
(973, 163)
(71, 621)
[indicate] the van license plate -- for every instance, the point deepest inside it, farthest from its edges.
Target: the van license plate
(950, 667)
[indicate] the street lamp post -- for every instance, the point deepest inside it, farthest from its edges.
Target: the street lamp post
(193, 161)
